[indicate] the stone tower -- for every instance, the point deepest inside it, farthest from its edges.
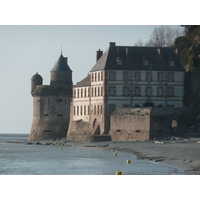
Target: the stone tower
(51, 103)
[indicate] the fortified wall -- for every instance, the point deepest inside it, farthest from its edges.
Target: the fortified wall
(139, 124)
(130, 124)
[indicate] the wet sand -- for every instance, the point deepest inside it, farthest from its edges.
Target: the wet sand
(182, 153)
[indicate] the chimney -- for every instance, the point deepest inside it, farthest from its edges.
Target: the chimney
(66, 59)
(128, 53)
(99, 54)
(176, 51)
(112, 44)
(160, 53)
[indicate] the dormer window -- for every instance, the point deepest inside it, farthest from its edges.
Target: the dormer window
(119, 61)
(171, 62)
(145, 62)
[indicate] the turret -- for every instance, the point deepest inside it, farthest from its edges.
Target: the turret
(61, 74)
(51, 103)
(36, 80)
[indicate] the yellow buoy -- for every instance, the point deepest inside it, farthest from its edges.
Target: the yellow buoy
(60, 147)
(112, 150)
(128, 161)
(119, 173)
(115, 154)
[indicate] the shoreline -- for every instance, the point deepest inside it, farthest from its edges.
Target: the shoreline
(184, 153)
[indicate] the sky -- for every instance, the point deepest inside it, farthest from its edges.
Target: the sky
(27, 49)
(32, 34)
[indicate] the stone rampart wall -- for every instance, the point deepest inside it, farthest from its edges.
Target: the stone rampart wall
(130, 124)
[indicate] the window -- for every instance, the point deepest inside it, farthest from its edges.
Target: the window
(148, 76)
(75, 93)
(126, 90)
(101, 76)
(81, 110)
(170, 91)
(101, 111)
(88, 92)
(94, 109)
(47, 130)
(112, 75)
(84, 110)
(98, 76)
(98, 110)
(160, 91)
(137, 76)
(171, 62)
(95, 77)
(81, 92)
(74, 110)
(88, 110)
(78, 93)
(92, 77)
(111, 108)
(148, 91)
(137, 91)
(112, 90)
(170, 76)
(119, 61)
(126, 76)
(92, 92)
(101, 91)
(160, 76)
(174, 123)
(77, 110)
(95, 92)
(145, 62)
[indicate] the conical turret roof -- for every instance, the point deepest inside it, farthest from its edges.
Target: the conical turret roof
(36, 77)
(61, 65)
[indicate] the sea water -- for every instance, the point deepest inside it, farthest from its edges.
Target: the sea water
(24, 159)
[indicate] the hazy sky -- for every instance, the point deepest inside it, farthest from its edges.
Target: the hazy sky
(26, 50)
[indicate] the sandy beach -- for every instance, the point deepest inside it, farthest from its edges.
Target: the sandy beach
(184, 153)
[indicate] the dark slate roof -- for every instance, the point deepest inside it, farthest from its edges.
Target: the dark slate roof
(61, 65)
(132, 59)
(36, 77)
(85, 82)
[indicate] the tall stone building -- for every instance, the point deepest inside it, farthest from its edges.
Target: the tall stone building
(51, 103)
(124, 76)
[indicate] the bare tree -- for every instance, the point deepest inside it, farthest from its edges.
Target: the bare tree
(163, 36)
(139, 43)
